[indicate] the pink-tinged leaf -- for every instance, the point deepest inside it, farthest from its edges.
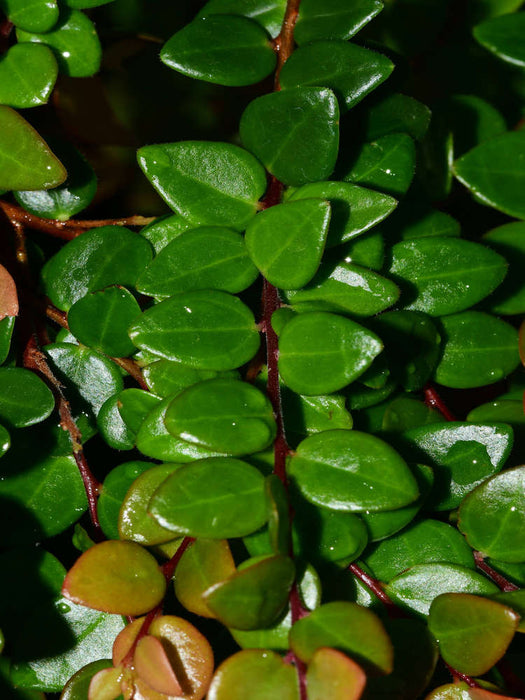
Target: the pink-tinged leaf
(154, 668)
(105, 685)
(116, 577)
(331, 674)
(8, 294)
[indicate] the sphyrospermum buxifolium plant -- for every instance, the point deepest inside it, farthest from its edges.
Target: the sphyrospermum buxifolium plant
(278, 501)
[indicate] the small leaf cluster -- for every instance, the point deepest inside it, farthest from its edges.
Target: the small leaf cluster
(288, 507)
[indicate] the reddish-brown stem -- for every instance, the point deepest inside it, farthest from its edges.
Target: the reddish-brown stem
(296, 604)
(284, 44)
(377, 589)
(434, 400)
(457, 675)
(127, 661)
(66, 229)
(501, 582)
(168, 569)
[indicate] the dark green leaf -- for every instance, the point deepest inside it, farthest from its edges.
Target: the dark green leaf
(294, 133)
(112, 428)
(208, 183)
(6, 332)
(473, 121)
(25, 398)
(320, 352)
(134, 405)
(352, 471)
(39, 69)
(366, 251)
(286, 242)
(268, 13)
(206, 329)
(304, 415)
(397, 114)
(31, 15)
(232, 504)
(224, 49)
(509, 240)
(334, 19)
(405, 412)
(478, 349)
(504, 37)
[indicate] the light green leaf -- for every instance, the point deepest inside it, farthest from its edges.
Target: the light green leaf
(27, 76)
(31, 15)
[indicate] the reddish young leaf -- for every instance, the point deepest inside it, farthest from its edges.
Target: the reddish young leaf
(333, 675)
(8, 294)
(154, 668)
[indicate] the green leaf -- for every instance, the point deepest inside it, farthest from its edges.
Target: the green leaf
(351, 71)
(417, 587)
(134, 405)
(423, 543)
(232, 504)
(5, 441)
(294, 133)
(478, 349)
(286, 242)
(492, 517)
(202, 258)
(462, 455)
(332, 674)
(74, 42)
(473, 121)
(75, 194)
(26, 162)
(31, 15)
(351, 471)
(345, 288)
(334, 19)
(268, 13)
(321, 352)
(304, 415)
(165, 377)
(206, 329)
(39, 69)
(112, 427)
(348, 627)
(354, 209)
(504, 37)
(473, 633)
(387, 164)
(255, 674)
(117, 577)
(101, 319)
(223, 49)
(96, 259)
(217, 184)
(516, 601)
(442, 276)
(223, 415)
(7, 325)
(397, 114)
(94, 377)
(366, 251)
(405, 412)
(165, 229)
(495, 174)
(78, 685)
(509, 241)
(254, 596)
(25, 398)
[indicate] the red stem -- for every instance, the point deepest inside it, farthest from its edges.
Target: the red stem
(376, 588)
(457, 675)
(168, 569)
(501, 582)
(434, 400)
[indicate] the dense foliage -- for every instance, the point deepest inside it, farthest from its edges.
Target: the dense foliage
(265, 442)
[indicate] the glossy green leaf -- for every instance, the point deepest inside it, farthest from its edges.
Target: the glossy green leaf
(255, 674)
(396, 114)
(404, 413)
(462, 455)
(39, 68)
(254, 596)
(417, 587)
(279, 526)
(304, 415)
(509, 240)
(516, 601)
(478, 349)
(39, 16)
(473, 633)
(504, 37)
(202, 565)
(423, 543)
(223, 415)
(268, 13)
(165, 377)
(501, 411)
(354, 209)
(495, 174)
(75, 194)
(351, 71)
(294, 133)
(351, 471)
(224, 49)
(96, 259)
(335, 19)
(7, 325)
(115, 576)
(26, 162)
(134, 405)
(165, 229)
(5, 441)
(74, 42)
(202, 258)
(492, 517)
(348, 627)
(112, 427)
(217, 184)
(93, 376)
(366, 251)
(114, 489)
(386, 164)
(134, 521)
(101, 320)
(347, 289)
(25, 398)
(78, 685)
(206, 329)
(233, 503)
(442, 276)
(321, 352)
(286, 242)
